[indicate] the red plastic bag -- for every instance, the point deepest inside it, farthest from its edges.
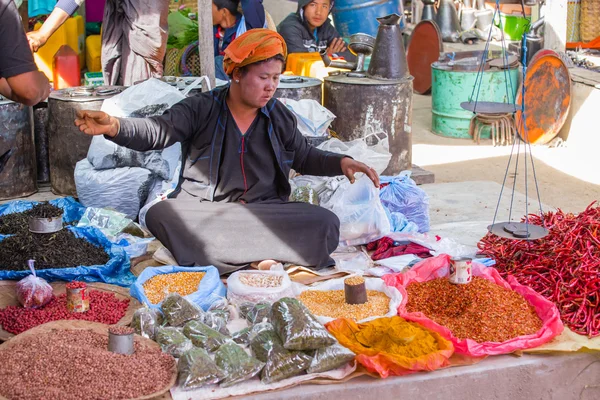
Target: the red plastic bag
(33, 292)
(438, 267)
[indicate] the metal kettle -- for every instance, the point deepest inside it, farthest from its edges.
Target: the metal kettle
(389, 57)
(447, 20)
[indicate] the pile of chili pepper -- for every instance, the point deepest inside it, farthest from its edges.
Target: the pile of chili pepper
(564, 266)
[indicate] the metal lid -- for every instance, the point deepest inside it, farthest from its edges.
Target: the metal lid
(297, 82)
(354, 79)
(86, 93)
(423, 49)
(547, 98)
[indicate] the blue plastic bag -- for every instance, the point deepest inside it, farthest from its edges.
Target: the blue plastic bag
(210, 289)
(115, 271)
(72, 210)
(403, 196)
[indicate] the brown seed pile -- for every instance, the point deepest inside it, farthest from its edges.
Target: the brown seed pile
(480, 310)
(121, 330)
(332, 303)
(261, 280)
(76, 364)
(354, 280)
(184, 283)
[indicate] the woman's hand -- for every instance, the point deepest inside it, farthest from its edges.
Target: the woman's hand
(97, 123)
(351, 167)
(36, 40)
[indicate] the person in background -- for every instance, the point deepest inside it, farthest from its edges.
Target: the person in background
(231, 207)
(229, 23)
(309, 30)
(20, 79)
(134, 37)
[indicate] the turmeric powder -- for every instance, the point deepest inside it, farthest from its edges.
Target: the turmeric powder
(396, 336)
(393, 335)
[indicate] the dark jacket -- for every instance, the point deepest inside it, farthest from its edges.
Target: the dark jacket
(300, 39)
(254, 17)
(199, 123)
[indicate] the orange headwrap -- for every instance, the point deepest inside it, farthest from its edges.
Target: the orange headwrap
(253, 46)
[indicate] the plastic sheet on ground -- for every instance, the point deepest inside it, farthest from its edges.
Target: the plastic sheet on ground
(438, 267)
(568, 341)
(370, 283)
(209, 290)
(255, 386)
(115, 271)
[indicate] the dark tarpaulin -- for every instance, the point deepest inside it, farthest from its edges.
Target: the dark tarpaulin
(134, 40)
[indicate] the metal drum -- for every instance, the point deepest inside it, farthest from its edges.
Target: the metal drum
(18, 175)
(40, 123)
(360, 16)
(452, 83)
(66, 144)
(299, 87)
(359, 102)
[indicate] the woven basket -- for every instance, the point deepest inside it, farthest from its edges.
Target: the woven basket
(590, 20)
(573, 21)
(190, 61)
(173, 62)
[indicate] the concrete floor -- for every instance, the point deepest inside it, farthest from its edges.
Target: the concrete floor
(531, 377)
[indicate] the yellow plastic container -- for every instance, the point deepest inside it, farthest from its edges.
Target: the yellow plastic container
(93, 51)
(307, 64)
(71, 33)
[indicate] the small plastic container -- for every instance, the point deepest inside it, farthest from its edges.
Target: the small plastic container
(66, 70)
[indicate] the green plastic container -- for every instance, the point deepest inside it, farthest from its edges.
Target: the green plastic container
(514, 26)
(450, 88)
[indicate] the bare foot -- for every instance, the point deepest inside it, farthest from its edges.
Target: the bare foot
(264, 265)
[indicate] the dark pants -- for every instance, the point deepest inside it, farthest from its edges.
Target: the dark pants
(232, 235)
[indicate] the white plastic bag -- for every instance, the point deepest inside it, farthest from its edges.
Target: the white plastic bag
(313, 119)
(150, 92)
(370, 284)
(149, 98)
(362, 217)
(372, 150)
(238, 292)
(33, 292)
(122, 189)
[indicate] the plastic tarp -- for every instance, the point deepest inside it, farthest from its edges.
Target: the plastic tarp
(438, 267)
(402, 195)
(209, 290)
(72, 210)
(115, 271)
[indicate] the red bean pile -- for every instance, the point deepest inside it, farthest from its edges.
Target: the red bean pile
(564, 266)
(105, 307)
(76, 285)
(75, 364)
(121, 330)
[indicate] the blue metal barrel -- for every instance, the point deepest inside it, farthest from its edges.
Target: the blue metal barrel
(360, 16)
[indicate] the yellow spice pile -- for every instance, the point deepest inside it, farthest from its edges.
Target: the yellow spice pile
(332, 303)
(184, 283)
